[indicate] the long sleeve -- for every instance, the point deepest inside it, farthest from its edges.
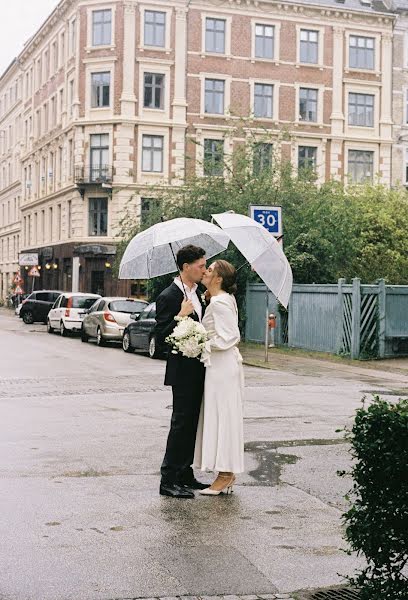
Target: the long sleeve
(225, 334)
(165, 313)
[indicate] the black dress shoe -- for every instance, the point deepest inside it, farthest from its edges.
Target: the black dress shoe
(195, 485)
(175, 491)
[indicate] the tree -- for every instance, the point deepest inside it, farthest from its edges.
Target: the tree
(330, 231)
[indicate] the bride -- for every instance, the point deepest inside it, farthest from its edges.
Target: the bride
(220, 440)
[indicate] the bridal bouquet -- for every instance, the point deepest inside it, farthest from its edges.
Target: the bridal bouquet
(188, 338)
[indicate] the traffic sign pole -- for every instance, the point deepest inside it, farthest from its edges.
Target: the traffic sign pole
(269, 217)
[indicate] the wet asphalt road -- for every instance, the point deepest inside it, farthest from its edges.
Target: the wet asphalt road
(82, 433)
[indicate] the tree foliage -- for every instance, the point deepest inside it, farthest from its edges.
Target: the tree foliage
(330, 230)
(377, 520)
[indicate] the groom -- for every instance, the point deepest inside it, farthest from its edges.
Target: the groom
(185, 375)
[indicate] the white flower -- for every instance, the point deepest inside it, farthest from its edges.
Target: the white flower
(188, 338)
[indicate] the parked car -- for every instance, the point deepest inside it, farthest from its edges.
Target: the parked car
(37, 306)
(68, 311)
(107, 318)
(139, 335)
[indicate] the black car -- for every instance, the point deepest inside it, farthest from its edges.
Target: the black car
(139, 336)
(37, 306)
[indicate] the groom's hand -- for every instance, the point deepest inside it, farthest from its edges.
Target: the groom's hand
(187, 308)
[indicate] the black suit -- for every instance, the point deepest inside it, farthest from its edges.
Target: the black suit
(186, 376)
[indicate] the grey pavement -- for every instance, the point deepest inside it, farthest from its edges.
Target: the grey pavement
(82, 433)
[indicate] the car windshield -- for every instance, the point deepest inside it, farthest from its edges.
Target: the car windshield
(82, 301)
(127, 306)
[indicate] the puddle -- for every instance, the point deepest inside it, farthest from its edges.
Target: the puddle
(270, 462)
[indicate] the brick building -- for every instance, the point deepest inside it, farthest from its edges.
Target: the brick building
(110, 97)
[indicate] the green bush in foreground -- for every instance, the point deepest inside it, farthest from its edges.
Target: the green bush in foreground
(377, 521)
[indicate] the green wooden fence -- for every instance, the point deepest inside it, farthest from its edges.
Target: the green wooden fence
(356, 320)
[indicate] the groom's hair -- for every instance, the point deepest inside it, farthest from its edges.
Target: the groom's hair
(189, 254)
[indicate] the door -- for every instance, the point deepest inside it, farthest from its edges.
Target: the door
(54, 312)
(97, 316)
(143, 328)
(98, 282)
(42, 306)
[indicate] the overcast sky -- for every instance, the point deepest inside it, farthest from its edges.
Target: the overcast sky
(18, 22)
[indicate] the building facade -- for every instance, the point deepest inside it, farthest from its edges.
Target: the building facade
(400, 95)
(112, 96)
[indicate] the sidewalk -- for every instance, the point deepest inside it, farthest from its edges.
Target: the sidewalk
(306, 362)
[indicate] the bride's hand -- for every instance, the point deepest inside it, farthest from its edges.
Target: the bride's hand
(187, 308)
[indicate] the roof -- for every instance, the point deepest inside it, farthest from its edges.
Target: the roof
(373, 6)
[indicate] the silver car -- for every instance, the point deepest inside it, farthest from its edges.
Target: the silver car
(107, 318)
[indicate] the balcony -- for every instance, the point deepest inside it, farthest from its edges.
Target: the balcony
(88, 176)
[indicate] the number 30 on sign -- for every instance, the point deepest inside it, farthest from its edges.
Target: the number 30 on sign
(269, 217)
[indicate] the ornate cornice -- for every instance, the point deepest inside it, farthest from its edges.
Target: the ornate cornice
(282, 8)
(54, 19)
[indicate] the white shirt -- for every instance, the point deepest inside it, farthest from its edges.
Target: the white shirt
(191, 295)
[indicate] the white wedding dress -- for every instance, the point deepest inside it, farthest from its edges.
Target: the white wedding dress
(220, 438)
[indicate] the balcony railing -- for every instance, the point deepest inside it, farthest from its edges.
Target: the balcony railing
(93, 175)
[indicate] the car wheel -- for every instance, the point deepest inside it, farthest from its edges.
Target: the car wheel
(100, 340)
(153, 351)
(49, 328)
(126, 345)
(63, 330)
(28, 317)
(84, 335)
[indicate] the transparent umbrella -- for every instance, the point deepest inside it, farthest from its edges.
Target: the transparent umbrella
(261, 250)
(152, 252)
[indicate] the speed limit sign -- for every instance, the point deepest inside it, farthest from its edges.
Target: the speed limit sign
(269, 217)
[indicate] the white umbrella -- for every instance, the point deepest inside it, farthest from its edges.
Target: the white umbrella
(151, 253)
(261, 250)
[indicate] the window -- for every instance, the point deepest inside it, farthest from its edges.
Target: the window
(100, 90)
(155, 28)
(262, 157)
(50, 224)
(361, 110)
(99, 157)
(147, 207)
(153, 90)
(98, 216)
(213, 158)
(152, 153)
(71, 97)
(361, 52)
(214, 96)
(308, 104)
(360, 165)
(308, 51)
(307, 158)
(264, 41)
(101, 27)
(406, 167)
(215, 35)
(73, 37)
(69, 219)
(55, 56)
(263, 100)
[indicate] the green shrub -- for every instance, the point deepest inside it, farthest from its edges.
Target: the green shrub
(377, 521)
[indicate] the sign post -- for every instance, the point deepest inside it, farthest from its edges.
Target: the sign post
(33, 272)
(269, 217)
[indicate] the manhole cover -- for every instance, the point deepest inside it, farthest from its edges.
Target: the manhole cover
(331, 594)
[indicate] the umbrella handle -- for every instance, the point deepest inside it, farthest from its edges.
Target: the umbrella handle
(179, 272)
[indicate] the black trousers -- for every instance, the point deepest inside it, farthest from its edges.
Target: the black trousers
(176, 466)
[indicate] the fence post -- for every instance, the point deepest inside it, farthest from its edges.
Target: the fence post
(381, 317)
(340, 315)
(356, 319)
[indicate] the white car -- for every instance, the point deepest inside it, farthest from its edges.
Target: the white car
(68, 311)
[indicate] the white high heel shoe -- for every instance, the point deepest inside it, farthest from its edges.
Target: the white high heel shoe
(227, 489)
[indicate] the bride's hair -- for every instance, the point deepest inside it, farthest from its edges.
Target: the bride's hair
(229, 276)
